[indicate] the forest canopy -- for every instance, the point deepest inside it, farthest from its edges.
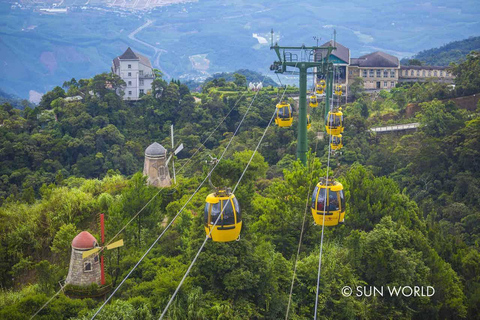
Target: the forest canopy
(412, 203)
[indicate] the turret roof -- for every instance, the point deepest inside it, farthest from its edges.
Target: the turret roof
(84, 240)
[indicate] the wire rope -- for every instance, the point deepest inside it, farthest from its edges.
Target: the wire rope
(324, 213)
(178, 213)
(216, 221)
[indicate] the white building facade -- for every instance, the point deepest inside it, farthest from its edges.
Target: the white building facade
(137, 72)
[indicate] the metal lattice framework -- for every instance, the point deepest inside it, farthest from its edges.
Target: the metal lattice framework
(304, 58)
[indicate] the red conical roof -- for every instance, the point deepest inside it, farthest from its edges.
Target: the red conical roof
(84, 240)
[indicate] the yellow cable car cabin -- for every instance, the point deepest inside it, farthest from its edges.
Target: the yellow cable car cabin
(284, 117)
(313, 101)
(338, 90)
(323, 84)
(334, 124)
(309, 122)
(229, 224)
(336, 143)
(328, 198)
(319, 89)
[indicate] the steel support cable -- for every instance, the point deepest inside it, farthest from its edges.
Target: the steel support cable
(301, 232)
(324, 213)
(151, 199)
(216, 221)
(181, 168)
(178, 213)
(46, 303)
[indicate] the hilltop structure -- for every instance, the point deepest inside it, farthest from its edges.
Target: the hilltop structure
(379, 70)
(156, 167)
(83, 272)
(137, 72)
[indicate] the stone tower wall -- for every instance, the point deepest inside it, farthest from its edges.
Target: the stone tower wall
(76, 273)
(157, 172)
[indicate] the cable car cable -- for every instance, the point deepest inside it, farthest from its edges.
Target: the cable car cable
(301, 232)
(324, 214)
(218, 218)
(178, 213)
(151, 199)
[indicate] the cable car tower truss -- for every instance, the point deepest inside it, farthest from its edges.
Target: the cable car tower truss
(304, 58)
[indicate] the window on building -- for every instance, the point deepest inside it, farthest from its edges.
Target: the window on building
(129, 93)
(129, 83)
(140, 72)
(441, 73)
(95, 259)
(129, 66)
(429, 73)
(435, 73)
(423, 73)
(129, 74)
(412, 73)
(379, 73)
(87, 267)
(392, 73)
(385, 73)
(142, 92)
(141, 82)
(418, 73)
(371, 74)
(392, 84)
(364, 73)
(384, 84)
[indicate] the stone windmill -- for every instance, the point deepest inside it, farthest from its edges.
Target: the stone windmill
(86, 265)
(156, 166)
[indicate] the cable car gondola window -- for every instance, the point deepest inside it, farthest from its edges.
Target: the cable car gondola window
(205, 216)
(228, 215)
(314, 197)
(321, 201)
(237, 209)
(216, 209)
(342, 200)
(283, 113)
(333, 204)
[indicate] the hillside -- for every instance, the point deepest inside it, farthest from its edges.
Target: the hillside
(185, 42)
(15, 101)
(453, 51)
(412, 205)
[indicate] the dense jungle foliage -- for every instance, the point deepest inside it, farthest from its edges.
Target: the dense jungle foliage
(413, 204)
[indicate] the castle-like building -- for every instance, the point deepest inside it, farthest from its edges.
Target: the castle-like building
(137, 72)
(379, 70)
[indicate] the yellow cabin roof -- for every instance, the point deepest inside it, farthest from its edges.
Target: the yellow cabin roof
(336, 186)
(213, 198)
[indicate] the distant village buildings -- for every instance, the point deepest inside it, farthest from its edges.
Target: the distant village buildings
(137, 72)
(378, 70)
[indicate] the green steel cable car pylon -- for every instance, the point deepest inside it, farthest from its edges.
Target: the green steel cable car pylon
(310, 57)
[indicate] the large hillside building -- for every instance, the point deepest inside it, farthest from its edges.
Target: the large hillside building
(378, 70)
(137, 72)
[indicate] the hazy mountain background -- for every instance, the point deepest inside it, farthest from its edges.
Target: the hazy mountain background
(194, 40)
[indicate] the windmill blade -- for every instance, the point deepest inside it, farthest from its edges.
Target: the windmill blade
(168, 160)
(88, 253)
(116, 244)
